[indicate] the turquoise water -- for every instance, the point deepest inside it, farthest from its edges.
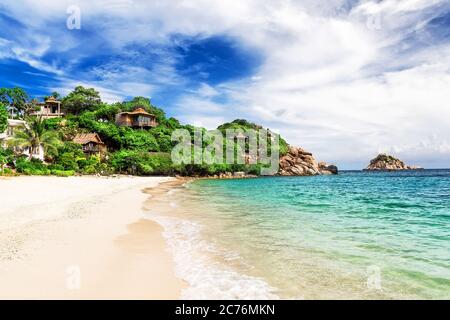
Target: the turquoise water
(354, 235)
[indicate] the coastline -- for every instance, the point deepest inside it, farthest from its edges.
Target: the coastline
(82, 238)
(211, 271)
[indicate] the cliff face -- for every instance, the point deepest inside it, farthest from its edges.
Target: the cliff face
(387, 162)
(298, 162)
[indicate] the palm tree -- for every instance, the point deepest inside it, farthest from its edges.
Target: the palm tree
(34, 135)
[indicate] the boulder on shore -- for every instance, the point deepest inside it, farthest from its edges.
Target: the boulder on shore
(298, 162)
(385, 162)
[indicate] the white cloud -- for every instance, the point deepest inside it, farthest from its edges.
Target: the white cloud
(328, 81)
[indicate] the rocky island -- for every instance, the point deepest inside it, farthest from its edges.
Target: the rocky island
(385, 162)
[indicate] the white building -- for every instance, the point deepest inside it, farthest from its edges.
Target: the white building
(51, 108)
(5, 136)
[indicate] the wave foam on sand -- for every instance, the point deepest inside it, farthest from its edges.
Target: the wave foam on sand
(207, 279)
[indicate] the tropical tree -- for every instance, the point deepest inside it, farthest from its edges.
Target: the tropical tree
(80, 100)
(16, 98)
(55, 95)
(6, 156)
(3, 118)
(34, 135)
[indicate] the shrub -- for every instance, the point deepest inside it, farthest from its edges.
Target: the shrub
(163, 138)
(63, 173)
(3, 118)
(141, 163)
(141, 140)
(93, 165)
(68, 157)
(7, 172)
(68, 161)
(31, 167)
(53, 123)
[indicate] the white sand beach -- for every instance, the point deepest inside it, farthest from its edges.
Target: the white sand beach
(82, 238)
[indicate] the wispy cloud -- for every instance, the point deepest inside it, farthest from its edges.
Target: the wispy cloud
(345, 79)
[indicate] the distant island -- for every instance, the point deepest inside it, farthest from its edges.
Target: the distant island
(385, 162)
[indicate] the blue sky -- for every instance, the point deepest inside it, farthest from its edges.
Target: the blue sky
(343, 79)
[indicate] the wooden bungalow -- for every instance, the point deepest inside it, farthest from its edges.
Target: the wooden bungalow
(51, 108)
(138, 118)
(91, 143)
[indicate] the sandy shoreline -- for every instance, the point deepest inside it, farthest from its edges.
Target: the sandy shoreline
(82, 238)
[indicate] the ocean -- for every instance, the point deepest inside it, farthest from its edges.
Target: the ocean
(356, 235)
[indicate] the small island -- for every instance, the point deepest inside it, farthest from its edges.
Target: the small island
(385, 162)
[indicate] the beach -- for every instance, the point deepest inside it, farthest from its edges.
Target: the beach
(322, 237)
(82, 238)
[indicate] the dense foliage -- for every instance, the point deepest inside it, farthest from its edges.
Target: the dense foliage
(34, 135)
(130, 151)
(3, 118)
(80, 100)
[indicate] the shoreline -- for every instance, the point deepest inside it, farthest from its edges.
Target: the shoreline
(210, 269)
(88, 243)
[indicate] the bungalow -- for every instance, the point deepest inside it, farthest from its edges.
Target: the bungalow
(138, 118)
(91, 144)
(14, 125)
(51, 108)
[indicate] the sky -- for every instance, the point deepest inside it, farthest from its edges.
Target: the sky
(344, 79)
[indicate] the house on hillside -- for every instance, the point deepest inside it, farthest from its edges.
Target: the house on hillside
(51, 108)
(14, 125)
(91, 144)
(138, 118)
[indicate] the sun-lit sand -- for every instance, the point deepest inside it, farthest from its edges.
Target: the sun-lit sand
(82, 238)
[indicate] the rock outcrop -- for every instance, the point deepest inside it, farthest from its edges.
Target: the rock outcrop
(384, 162)
(298, 162)
(328, 169)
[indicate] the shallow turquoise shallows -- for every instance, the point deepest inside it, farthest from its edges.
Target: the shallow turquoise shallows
(356, 235)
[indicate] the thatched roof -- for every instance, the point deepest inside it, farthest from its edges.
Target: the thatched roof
(84, 138)
(138, 111)
(51, 99)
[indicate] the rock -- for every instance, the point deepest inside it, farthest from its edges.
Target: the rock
(290, 159)
(307, 158)
(297, 170)
(384, 162)
(327, 169)
(293, 151)
(298, 162)
(414, 168)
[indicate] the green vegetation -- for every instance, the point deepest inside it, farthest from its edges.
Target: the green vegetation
(384, 158)
(130, 151)
(34, 135)
(3, 118)
(6, 158)
(17, 101)
(80, 100)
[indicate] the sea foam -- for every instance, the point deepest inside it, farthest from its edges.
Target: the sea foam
(207, 279)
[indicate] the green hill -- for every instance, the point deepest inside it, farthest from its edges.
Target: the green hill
(130, 151)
